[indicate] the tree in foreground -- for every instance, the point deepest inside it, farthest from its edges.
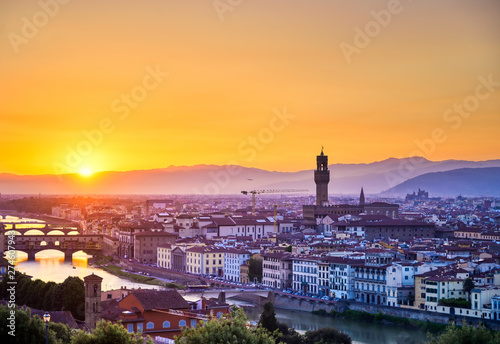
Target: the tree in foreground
(327, 335)
(107, 332)
(268, 318)
(283, 334)
(466, 335)
(230, 329)
(28, 329)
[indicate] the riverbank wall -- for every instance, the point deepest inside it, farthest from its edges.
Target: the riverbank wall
(299, 304)
(176, 277)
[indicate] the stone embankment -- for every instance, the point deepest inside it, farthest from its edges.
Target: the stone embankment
(307, 305)
(176, 277)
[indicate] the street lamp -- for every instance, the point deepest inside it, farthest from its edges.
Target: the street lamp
(46, 319)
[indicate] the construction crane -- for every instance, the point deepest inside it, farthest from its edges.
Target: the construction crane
(255, 192)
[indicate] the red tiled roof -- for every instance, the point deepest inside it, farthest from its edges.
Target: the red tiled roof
(165, 299)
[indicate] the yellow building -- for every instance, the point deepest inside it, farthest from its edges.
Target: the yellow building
(244, 274)
(207, 261)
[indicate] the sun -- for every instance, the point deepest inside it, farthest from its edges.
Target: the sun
(85, 172)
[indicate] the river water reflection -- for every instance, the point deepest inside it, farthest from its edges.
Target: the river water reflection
(360, 332)
(49, 265)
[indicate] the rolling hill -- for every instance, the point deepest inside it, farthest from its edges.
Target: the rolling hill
(463, 181)
(346, 179)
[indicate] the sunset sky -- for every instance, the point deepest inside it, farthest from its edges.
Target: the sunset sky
(127, 85)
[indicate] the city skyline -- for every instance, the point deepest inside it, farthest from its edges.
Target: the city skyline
(130, 86)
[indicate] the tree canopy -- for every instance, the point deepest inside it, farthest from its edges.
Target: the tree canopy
(466, 334)
(283, 334)
(254, 270)
(468, 285)
(106, 332)
(228, 329)
(30, 329)
(49, 296)
(268, 318)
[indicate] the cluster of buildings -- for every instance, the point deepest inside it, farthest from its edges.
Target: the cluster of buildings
(416, 252)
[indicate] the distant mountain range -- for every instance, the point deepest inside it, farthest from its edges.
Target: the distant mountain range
(395, 176)
(464, 181)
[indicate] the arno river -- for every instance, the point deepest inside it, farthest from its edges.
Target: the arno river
(50, 266)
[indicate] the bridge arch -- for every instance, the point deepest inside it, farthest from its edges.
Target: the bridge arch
(34, 231)
(20, 255)
(52, 251)
(10, 232)
(55, 232)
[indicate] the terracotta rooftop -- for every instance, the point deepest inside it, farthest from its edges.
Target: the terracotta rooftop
(165, 299)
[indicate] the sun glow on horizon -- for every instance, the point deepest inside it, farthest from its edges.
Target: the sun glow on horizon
(85, 172)
(263, 88)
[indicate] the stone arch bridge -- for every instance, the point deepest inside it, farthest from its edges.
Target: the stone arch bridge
(14, 239)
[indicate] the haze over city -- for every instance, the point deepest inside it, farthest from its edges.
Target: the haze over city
(129, 85)
(268, 171)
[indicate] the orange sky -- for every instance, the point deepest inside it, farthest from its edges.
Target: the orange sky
(264, 87)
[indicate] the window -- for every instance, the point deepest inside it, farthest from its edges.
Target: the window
(166, 324)
(193, 323)
(140, 327)
(182, 323)
(150, 325)
(130, 328)
(219, 314)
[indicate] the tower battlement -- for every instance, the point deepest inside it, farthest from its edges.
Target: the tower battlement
(322, 178)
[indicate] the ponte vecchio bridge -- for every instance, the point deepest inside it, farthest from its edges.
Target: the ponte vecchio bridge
(66, 240)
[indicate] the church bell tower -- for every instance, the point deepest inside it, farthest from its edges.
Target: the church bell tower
(321, 178)
(92, 285)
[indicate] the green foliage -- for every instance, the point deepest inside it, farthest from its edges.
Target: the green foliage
(268, 318)
(73, 290)
(230, 329)
(102, 259)
(175, 285)
(31, 329)
(254, 270)
(468, 285)
(284, 334)
(378, 317)
(106, 332)
(30, 204)
(69, 295)
(459, 303)
(288, 248)
(118, 271)
(466, 335)
(327, 335)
